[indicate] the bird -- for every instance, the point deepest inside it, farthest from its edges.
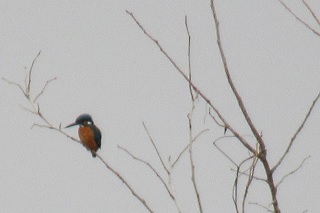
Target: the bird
(89, 134)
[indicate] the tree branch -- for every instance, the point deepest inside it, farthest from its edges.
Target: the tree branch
(311, 11)
(151, 167)
(44, 87)
(187, 147)
(299, 19)
(263, 152)
(36, 110)
(190, 116)
(293, 171)
(155, 147)
(230, 81)
(297, 133)
(195, 88)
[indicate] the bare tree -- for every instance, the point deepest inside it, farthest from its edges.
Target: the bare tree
(245, 169)
(257, 153)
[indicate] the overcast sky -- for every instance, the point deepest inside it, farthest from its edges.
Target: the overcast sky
(107, 67)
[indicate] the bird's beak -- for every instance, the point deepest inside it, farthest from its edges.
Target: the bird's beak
(70, 125)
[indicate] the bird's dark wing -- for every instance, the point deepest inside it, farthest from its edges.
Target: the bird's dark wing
(97, 135)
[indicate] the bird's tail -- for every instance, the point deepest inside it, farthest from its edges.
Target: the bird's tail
(93, 154)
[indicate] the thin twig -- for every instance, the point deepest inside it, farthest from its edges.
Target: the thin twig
(14, 83)
(235, 184)
(187, 147)
(27, 109)
(44, 87)
(223, 152)
(311, 11)
(151, 167)
(254, 177)
(230, 81)
(134, 193)
(126, 183)
(264, 207)
(293, 171)
(155, 147)
(190, 116)
(215, 120)
(299, 19)
(262, 149)
(235, 190)
(193, 178)
(36, 110)
(250, 179)
(28, 82)
(195, 88)
(297, 133)
(172, 188)
(262, 152)
(189, 56)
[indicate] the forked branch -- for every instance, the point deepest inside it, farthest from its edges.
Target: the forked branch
(262, 154)
(190, 119)
(35, 109)
(299, 19)
(296, 133)
(194, 87)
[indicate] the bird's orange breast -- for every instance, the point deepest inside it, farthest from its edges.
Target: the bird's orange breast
(87, 138)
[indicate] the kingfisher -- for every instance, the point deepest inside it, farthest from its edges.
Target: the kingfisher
(89, 134)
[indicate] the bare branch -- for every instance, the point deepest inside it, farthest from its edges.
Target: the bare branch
(264, 207)
(250, 178)
(193, 179)
(50, 126)
(36, 110)
(262, 149)
(126, 183)
(151, 167)
(230, 81)
(235, 190)
(41, 92)
(196, 89)
(27, 109)
(311, 11)
(254, 177)
(172, 188)
(155, 147)
(41, 126)
(187, 147)
(236, 180)
(190, 116)
(189, 56)
(297, 132)
(28, 77)
(135, 194)
(299, 19)
(16, 84)
(293, 171)
(215, 120)
(223, 152)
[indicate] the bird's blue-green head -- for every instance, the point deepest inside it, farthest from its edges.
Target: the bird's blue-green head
(82, 119)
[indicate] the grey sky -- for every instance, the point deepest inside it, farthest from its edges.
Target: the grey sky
(107, 67)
